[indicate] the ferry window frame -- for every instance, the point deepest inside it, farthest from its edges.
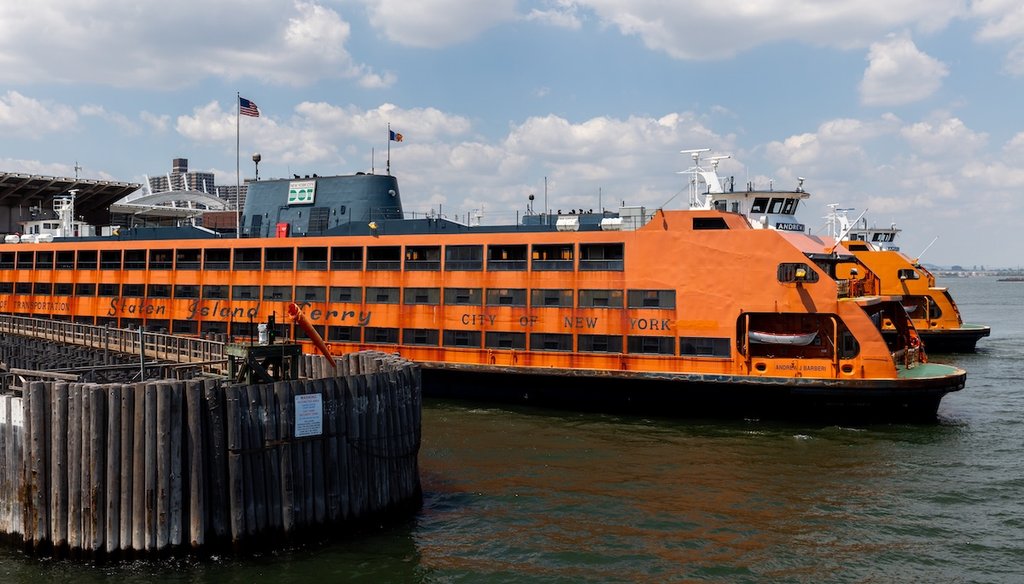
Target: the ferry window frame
(377, 335)
(161, 259)
(312, 258)
(551, 298)
(6, 287)
(26, 260)
(216, 327)
(604, 257)
(134, 259)
(557, 342)
(650, 345)
(507, 257)
(498, 297)
(108, 290)
(552, 257)
(216, 259)
(44, 260)
(160, 326)
(158, 290)
(186, 290)
(311, 293)
(63, 289)
(790, 206)
(384, 258)
(709, 223)
(346, 258)
(245, 292)
(421, 296)
(712, 347)
(421, 337)
(505, 340)
(600, 298)
(24, 288)
(383, 295)
(247, 259)
(775, 206)
(187, 259)
(276, 293)
(279, 259)
(464, 296)
(347, 294)
(461, 338)
(7, 260)
(463, 258)
(110, 259)
(759, 205)
(133, 290)
(87, 259)
(42, 288)
(344, 334)
(599, 343)
(423, 258)
(786, 273)
(85, 289)
(660, 299)
(215, 292)
(65, 259)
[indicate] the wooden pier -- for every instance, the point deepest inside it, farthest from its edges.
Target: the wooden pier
(154, 467)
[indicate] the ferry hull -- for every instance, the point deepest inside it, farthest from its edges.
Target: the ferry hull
(959, 340)
(914, 398)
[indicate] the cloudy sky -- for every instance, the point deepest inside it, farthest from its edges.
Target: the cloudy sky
(912, 110)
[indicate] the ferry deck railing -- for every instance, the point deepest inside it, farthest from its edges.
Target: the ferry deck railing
(206, 354)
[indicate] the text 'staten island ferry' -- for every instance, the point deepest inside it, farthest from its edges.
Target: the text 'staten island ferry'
(931, 308)
(691, 312)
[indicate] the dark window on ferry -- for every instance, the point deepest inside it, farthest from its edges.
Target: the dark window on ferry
(89, 320)
(130, 323)
(245, 292)
(346, 258)
(133, 290)
(313, 258)
(85, 289)
(463, 296)
(422, 296)
(86, 259)
(553, 257)
(216, 259)
(108, 290)
(255, 225)
(759, 205)
(384, 258)
(66, 260)
(209, 326)
(506, 297)
(158, 291)
(350, 334)
(187, 259)
(652, 298)
(42, 289)
(561, 298)
(247, 258)
(506, 258)
(461, 338)
(420, 337)
(161, 259)
(381, 335)
(504, 340)
(381, 295)
(600, 299)
(550, 342)
(279, 258)
(423, 258)
(463, 258)
(110, 259)
(796, 272)
(26, 260)
(6, 287)
(276, 293)
(7, 260)
(705, 347)
(158, 325)
(135, 259)
(601, 256)
(23, 288)
(651, 345)
(790, 207)
(346, 294)
(44, 260)
(600, 343)
(775, 206)
(318, 217)
(310, 293)
(108, 321)
(215, 291)
(701, 223)
(186, 291)
(908, 274)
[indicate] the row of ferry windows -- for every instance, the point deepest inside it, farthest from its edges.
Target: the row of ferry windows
(496, 257)
(560, 298)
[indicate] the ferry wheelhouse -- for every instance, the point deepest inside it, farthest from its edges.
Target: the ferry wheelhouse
(691, 312)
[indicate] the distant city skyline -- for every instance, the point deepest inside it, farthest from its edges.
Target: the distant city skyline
(906, 109)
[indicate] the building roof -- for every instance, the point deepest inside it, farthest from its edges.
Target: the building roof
(92, 200)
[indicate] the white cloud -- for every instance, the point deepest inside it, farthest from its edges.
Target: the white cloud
(563, 15)
(948, 135)
(898, 73)
(27, 116)
(437, 23)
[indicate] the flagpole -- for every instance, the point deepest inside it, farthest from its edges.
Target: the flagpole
(238, 183)
(389, 148)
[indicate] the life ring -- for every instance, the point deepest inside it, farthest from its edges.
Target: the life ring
(915, 342)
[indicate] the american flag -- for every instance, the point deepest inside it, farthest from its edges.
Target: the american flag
(248, 108)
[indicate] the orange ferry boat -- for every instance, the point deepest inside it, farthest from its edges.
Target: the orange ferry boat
(931, 308)
(688, 312)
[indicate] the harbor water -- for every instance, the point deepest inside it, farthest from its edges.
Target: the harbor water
(527, 495)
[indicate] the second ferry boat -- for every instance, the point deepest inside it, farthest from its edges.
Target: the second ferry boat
(684, 312)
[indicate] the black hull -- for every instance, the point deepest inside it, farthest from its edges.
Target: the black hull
(719, 396)
(962, 340)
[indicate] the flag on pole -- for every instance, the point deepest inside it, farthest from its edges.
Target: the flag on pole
(395, 137)
(248, 108)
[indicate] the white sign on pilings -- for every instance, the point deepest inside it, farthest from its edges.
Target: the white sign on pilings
(309, 415)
